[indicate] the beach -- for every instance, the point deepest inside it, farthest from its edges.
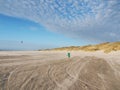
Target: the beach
(53, 70)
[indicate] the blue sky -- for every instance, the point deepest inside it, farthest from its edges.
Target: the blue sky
(34, 36)
(57, 23)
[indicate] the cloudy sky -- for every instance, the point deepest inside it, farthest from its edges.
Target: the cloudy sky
(57, 23)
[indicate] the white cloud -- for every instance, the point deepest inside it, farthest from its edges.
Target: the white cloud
(33, 28)
(97, 20)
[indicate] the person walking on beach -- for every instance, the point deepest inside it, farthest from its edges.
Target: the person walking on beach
(68, 54)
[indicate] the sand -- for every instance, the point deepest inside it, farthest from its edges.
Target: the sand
(52, 70)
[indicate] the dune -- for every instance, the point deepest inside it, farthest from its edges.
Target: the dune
(106, 47)
(52, 70)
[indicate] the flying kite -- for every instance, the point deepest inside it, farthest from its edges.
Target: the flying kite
(21, 41)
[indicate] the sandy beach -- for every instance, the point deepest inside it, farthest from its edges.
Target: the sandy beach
(53, 70)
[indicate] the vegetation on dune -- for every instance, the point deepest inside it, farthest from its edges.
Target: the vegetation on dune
(106, 47)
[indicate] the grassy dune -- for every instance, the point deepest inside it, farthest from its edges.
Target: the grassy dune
(106, 47)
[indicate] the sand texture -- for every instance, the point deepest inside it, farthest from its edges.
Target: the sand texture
(52, 70)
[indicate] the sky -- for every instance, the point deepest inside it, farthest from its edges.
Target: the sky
(44, 24)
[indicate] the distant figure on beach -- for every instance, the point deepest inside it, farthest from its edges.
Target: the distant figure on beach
(68, 55)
